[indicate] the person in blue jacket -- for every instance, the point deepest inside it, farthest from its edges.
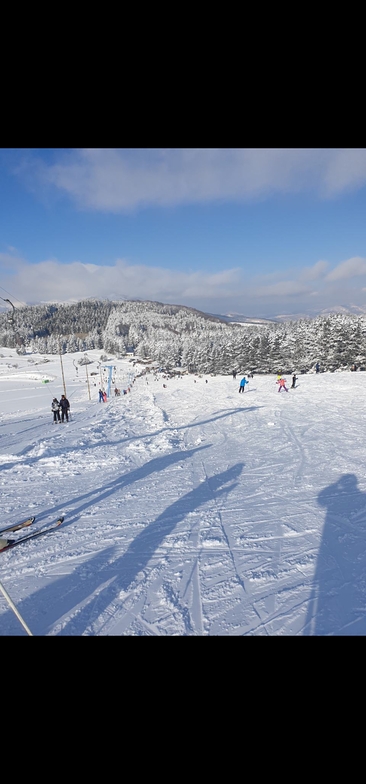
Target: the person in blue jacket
(242, 384)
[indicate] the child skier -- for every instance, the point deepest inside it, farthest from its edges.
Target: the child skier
(282, 384)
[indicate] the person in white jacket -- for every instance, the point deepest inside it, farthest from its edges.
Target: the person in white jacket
(55, 407)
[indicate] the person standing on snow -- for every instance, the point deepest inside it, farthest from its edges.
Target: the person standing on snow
(64, 405)
(294, 379)
(242, 384)
(282, 384)
(55, 408)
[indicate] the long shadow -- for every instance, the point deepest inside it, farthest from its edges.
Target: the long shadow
(337, 604)
(120, 574)
(99, 494)
(66, 449)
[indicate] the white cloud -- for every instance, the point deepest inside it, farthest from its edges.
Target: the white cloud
(283, 288)
(346, 170)
(297, 280)
(119, 180)
(10, 260)
(51, 281)
(348, 269)
(315, 272)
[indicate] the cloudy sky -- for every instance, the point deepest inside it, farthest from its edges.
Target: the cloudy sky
(261, 232)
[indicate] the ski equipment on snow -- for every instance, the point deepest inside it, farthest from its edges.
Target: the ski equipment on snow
(18, 526)
(45, 530)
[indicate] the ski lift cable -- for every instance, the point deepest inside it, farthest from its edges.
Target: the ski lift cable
(23, 304)
(10, 316)
(10, 303)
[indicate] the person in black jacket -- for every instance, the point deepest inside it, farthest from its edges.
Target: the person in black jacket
(64, 406)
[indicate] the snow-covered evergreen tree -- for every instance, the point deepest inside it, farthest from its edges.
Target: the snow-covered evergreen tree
(178, 336)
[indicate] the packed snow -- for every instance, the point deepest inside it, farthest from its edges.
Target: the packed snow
(190, 510)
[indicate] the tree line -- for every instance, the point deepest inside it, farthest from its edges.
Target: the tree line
(179, 336)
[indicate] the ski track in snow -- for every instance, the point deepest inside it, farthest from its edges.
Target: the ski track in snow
(190, 510)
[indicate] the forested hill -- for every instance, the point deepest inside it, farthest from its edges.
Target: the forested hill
(178, 336)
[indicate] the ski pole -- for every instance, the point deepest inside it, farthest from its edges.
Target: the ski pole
(13, 607)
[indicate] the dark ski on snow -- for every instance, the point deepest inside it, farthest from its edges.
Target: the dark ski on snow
(45, 530)
(18, 526)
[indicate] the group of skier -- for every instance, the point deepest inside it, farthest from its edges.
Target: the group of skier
(280, 381)
(62, 406)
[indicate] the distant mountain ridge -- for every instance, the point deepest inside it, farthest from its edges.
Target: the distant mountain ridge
(279, 318)
(239, 318)
(351, 310)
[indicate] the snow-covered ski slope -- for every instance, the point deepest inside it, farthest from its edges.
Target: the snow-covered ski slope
(189, 510)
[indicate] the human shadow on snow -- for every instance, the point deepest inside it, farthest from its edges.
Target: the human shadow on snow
(337, 605)
(99, 494)
(83, 447)
(121, 573)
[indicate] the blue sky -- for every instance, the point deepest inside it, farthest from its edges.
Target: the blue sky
(261, 232)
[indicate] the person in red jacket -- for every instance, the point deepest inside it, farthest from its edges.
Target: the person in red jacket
(282, 384)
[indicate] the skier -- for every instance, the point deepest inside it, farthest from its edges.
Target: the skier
(55, 408)
(64, 405)
(242, 384)
(282, 384)
(101, 396)
(294, 379)
(317, 368)
(105, 397)
(234, 373)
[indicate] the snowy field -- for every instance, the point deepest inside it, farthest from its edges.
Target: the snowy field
(189, 510)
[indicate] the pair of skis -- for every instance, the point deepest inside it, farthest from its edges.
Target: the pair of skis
(6, 544)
